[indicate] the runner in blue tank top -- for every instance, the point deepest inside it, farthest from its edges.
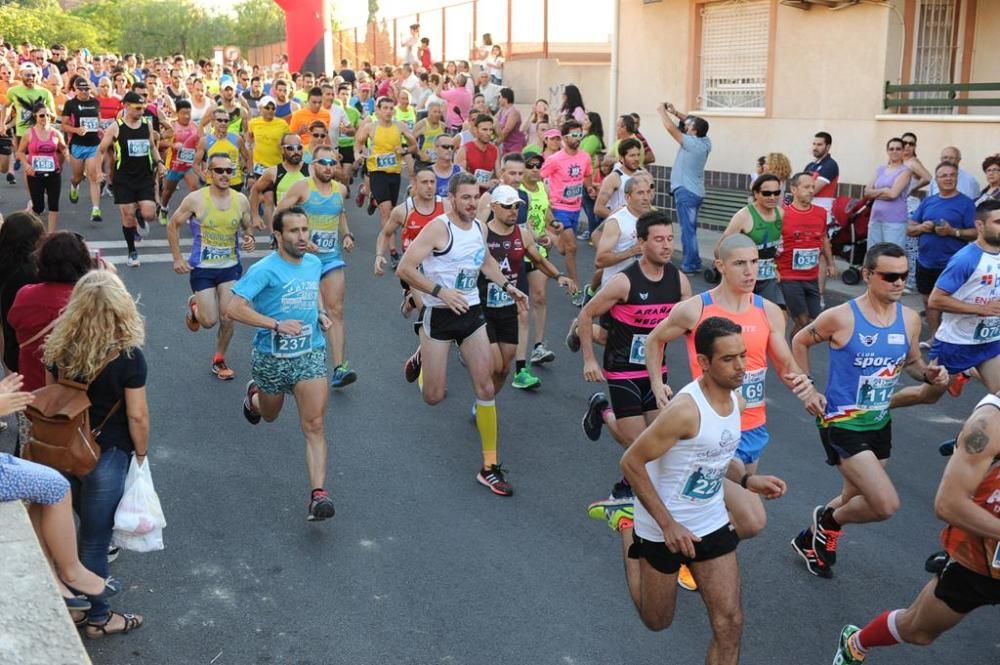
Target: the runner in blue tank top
(872, 338)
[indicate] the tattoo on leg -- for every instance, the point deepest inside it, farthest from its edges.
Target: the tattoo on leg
(976, 440)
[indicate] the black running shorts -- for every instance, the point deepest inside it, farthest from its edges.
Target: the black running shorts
(501, 324)
(444, 325)
(964, 590)
(385, 186)
(133, 190)
(716, 544)
(840, 443)
(632, 397)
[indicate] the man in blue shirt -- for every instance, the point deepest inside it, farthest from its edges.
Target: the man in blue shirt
(279, 295)
(687, 177)
(944, 223)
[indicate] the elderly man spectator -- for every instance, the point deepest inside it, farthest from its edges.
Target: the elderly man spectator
(967, 183)
(489, 90)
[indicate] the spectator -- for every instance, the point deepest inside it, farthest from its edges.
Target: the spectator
(687, 177)
(626, 128)
(508, 124)
(553, 142)
(424, 54)
(777, 164)
(19, 236)
(572, 105)
(647, 152)
(758, 168)
(494, 64)
(593, 145)
(488, 89)
(991, 167)
(459, 101)
(98, 340)
(967, 183)
(825, 170)
(887, 191)
(920, 178)
(410, 45)
(943, 223)
(346, 72)
(539, 112)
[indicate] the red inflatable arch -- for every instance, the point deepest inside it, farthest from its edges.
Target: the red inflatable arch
(307, 34)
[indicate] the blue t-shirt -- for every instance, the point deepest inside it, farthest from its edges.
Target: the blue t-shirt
(284, 290)
(689, 166)
(959, 211)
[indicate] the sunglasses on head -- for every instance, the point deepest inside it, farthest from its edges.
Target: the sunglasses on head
(223, 170)
(326, 161)
(892, 276)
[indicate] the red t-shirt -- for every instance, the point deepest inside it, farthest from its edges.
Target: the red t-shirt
(36, 306)
(802, 234)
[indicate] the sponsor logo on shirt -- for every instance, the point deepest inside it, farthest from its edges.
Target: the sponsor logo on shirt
(868, 340)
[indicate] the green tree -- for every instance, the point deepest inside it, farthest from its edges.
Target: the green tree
(258, 22)
(43, 22)
(161, 27)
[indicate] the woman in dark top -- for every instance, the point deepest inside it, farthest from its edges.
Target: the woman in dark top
(98, 340)
(19, 235)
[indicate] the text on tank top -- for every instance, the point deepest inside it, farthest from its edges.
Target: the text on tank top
(415, 221)
(508, 251)
(647, 304)
(323, 212)
(481, 162)
(132, 150)
(215, 235)
(767, 236)
(43, 153)
(457, 265)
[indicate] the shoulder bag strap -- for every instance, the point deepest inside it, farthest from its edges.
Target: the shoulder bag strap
(41, 333)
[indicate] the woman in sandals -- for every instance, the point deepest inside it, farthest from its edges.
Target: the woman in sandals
(98, 341)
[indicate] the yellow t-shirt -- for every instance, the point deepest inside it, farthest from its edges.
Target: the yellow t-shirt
(267, 141)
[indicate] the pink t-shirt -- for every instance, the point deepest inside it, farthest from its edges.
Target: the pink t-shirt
(564, 174)
(461, 98)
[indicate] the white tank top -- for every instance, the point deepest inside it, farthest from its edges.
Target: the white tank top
(457, 265)
(617, 198)
(689, 477)
(198, 112)
(626, 224)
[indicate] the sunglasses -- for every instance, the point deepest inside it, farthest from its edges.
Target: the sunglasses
(223, 170)
(770, 192)
(909, 143)
(326, 161)
(893, 276)
(222, 119)
(447, 147)
(576, 135)
(508, 206)
(137, 107)
(42, 116)
(296, 148)
(319, 136)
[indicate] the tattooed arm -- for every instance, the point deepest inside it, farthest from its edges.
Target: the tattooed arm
(976, 452)
(828, 327)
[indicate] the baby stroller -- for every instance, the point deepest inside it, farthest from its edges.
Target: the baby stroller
(848, 231)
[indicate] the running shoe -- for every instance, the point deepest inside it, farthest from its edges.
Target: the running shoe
(685, 579)
(359, 200)
(74, 193)
(947, 449)
(113, 553)
(164, 216)
(372, 206)
(493, 478)
(936, 562)
(618, 517)
(133, 260)
(343, 376)
(802, 544)
(593, 419)
(958, 384)
(411, 368)
(394, 259)
(223, 371)
(17, 165)
(320, 506)
(583, 235)
(847, 651)
(525, 380)
(598, 510)
(11, 180)
(540, 354)
(588, 294)
(191, 315)
(577, 298)
(95, 214)
(925, 346)
(106, 191)
(824, 540)
(622, 490)
(572, 338)
(251, 414)
(3, 425)
(142, 227)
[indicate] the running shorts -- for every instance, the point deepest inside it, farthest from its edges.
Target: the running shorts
(959, 357)
(568, 218)
(128, 190)
(6, 146)
(385, 186)
(632, 397)
(768, 288)
(801, 297)
(278, 376)
(347, 155)
(841, 444)
(444, 325)
(712, 546)
(964, 590)
(209, 278)
(176, 176)
(82, 151)
(927, 278)
(501, 324)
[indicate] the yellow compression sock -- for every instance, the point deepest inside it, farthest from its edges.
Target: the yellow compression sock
(486, 423)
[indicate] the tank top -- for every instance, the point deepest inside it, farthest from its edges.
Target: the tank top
(481, 163)
(187, 136)
(516, 140)
(802, 235)
(767, 236)
(283, 179)
(647, 304)
(283, 111)
(216, 242)
(892, 210)
(457, 265)
(980, 555)
(133, 157)
(617, 198)
(689, 477)
(427, 140)
(408, 117)
(385, 141)
(324, 221)
(538, 205)
(228, 146)
(864, 373)
(235, 120)
(415, 221)
(627, 238)
(198, 112)
(441, 186)
(43, 154)
(756, 333)
(508, 251)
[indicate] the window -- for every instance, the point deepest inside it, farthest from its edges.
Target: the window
(934, 48)
(734, 55)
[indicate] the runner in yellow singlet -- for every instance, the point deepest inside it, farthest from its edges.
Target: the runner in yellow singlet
(221, 141)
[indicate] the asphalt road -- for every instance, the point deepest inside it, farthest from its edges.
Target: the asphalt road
(421, 564)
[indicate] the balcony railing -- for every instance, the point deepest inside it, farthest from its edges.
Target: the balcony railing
(939, 97)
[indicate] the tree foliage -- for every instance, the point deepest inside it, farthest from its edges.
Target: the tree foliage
(43, 22)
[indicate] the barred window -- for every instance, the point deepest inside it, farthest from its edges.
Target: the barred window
(934, 48)
(734, 52)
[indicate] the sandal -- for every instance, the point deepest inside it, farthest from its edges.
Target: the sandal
(78, 622)
(96, 631)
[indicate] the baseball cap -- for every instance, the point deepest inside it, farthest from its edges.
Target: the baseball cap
(227, 82)
(505, 195)
(132, 97)
(533, 156)
(28, 68)
(265, 100)
(552, 133)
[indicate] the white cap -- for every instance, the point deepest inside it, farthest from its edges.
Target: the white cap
(28, 67)
(505, 195)
(265, 100)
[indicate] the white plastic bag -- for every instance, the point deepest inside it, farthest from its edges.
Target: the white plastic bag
(139, 520)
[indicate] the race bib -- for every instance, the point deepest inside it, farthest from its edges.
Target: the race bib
(637, 352)
(186, 155)
(874, 391)
(90, 124)
(483, 176)
(753, 386)
(805, 259)
(138, 147)
(987, 330)
(572, 191)
(211, 254)
(258, 169)
(497, 297)
(107, 123)
(43, 163)
(291, 346)
(702, 485)
(766, 269)
(465, 280)
(432, 155)
(386, 161)
(26, 115)
(325, 240)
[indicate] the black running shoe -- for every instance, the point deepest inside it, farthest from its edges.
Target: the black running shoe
(936, 562)
(320, 506)
(947, 449)
(250, 413)
(593, 419)
(622, 490)
(411, 370)
(394, 258)
(802, 544)
(493, 479)
(11, 180)
(824, 541)
(372, 206)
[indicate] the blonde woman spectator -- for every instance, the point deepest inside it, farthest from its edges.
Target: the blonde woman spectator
(777, 164)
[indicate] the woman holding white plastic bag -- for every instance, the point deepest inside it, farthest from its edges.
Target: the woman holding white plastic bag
(98, 340)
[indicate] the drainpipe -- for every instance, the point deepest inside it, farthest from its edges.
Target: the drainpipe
(613, 107)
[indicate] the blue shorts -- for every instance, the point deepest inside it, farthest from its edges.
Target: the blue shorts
(569, 219)
(209, 278)
(752, 444)
(330, 265)
(82, 151)
(279, 376)
(959, 357)
(176, 176)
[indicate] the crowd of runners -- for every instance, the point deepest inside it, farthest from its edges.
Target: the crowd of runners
(479, 205)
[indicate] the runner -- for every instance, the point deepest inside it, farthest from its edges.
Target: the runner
(761, 222)
(220, 222)
(967, 501)
(183, 141)
(284, 107)
(279, 296)
(444, 165)
(137, 161)
(345, 143)
(43, 152)
(322, 198)
(427, 131)
(234, 106)
(81, 124)
(611, 195)
(222, 141)
(480, 156)
(383, 163)
(678, 467)
(452, 250)
(872, 339)
(302, 120)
